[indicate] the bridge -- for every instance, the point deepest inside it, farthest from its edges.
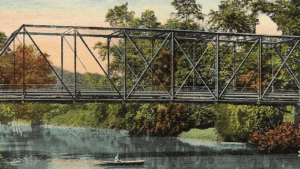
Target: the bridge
(152, 65)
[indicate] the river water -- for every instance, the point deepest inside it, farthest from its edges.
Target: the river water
(61, 147)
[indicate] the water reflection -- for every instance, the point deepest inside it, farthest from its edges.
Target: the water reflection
(54, 147)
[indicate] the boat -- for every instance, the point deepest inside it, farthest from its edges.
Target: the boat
(120, 162)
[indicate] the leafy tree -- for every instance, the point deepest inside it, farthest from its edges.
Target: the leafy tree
(31, 111)
(203, 116)
(149, 20)
(188, 9)
(37, 70)
(119, 16)
(144, 120)
(236, 122)
(186, 15)
(234, 16)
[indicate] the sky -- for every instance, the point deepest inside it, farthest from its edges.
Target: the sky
(14, 13)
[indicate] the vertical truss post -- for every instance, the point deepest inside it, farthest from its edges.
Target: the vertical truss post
(124, 51)
(194, 50)
(108, 74)
(299, 76)
(23, 86)
(14, 52)
(217, 69)
(152, 77)
(233, 67)
(172, 65)
(259, 66)
(62, 59)
(273, 69)
(75, 54)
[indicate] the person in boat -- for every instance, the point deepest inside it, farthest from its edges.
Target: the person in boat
(117, 158)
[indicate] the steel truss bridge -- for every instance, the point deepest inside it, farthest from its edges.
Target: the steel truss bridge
(201, 67)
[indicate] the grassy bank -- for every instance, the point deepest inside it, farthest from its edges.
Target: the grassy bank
(206, 134)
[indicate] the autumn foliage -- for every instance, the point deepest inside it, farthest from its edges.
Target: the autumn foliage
(171, 119)
(37, 70)
(283, 138)
(163, 65)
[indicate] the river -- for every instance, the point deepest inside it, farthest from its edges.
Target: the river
(62, 147)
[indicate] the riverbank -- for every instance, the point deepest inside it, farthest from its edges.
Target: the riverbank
(205, 135)
(209, 134)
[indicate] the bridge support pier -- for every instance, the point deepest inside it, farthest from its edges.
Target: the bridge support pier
(297, 114)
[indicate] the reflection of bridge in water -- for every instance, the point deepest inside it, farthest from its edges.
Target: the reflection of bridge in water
(219, 67)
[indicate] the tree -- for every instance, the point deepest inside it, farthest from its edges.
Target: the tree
(149, 20)
(119, 16)
(188, 10)
(235, 123)
(37, 70)
(283, 12)
(234, 16)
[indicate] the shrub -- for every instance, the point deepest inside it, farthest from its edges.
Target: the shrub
(203, 116)
(283, 138)
(171, 119)
(235, 123)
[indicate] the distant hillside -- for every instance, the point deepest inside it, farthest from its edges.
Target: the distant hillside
(85, 80)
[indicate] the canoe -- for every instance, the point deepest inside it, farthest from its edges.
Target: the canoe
(137, 162)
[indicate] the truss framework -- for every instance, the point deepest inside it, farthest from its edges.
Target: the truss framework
(208, 84)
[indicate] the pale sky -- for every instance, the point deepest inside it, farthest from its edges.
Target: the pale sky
(14, 13)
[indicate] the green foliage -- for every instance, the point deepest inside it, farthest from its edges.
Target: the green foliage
(236, 122)
(88, 115)
(31, 111)
(7, 113)
(144, 119)
(187, 12)
(234, 16)
(2, 38)
(289, 114)
(188, 9)
(203, 116)
(148, 19)
(175, 23)
(206, 134)
(119, 16)
(1, 159)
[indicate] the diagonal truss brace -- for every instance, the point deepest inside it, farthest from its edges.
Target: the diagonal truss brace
(287, 66)
(99, 64)
(49, 63)
(194, 68)
(128, 65)
(9, 42)
(10, 38)
(148, 64)
(280, 67)
(238, 68)
(74, 51)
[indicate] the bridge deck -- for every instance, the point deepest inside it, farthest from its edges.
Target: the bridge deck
(146, 96)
